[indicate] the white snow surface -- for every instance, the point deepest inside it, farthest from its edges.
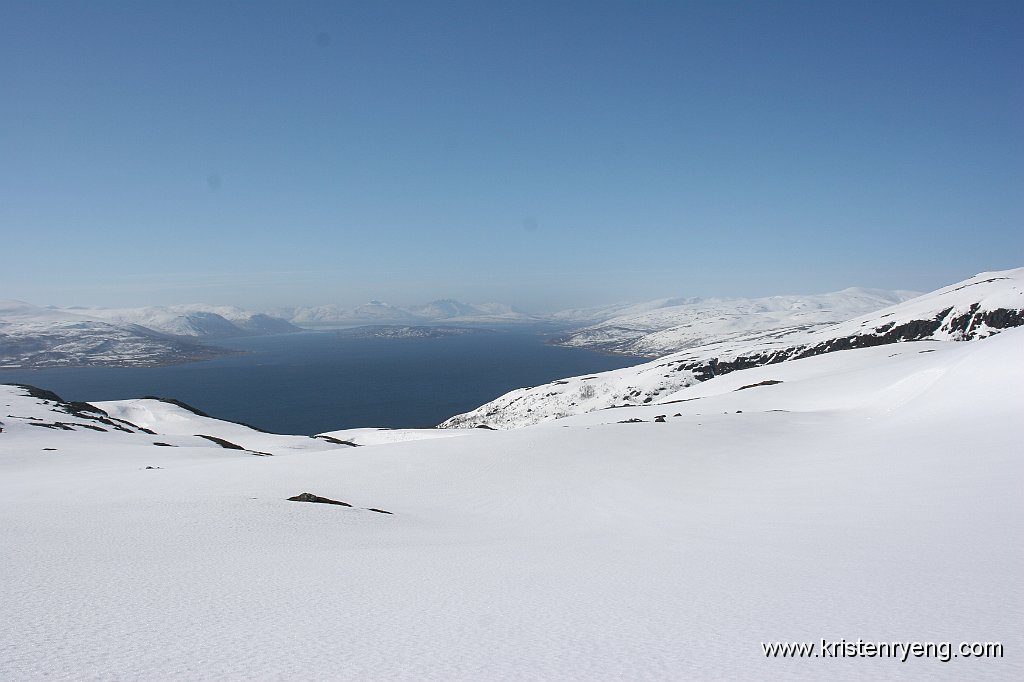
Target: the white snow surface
(653, 381)
(378, 436)
(874, 493)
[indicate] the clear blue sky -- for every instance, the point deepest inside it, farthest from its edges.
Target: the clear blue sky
(543, 154)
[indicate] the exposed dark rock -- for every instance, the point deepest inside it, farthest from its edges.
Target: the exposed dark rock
(310, 497)
(221, 442)
(484, 426)
(766, 382)
(81, 410)
(60, 426)
(336, 441)
(660, 418)
(164, 445)
(379, 511)
(631, 421)
(40, 393)
(967, 326)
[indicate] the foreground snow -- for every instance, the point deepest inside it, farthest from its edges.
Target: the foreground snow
(873, 493)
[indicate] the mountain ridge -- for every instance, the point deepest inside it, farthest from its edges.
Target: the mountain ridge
(972, 309)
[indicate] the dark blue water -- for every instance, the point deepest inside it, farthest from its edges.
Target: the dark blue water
(321, 381)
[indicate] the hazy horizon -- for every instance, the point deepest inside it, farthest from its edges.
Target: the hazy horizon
(543, 155)
(256, 306)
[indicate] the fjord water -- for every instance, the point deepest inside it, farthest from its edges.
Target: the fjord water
(321, 381)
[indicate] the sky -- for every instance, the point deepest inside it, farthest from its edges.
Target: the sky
(542, 154)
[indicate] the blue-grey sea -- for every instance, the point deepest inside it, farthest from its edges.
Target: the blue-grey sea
(313, 382)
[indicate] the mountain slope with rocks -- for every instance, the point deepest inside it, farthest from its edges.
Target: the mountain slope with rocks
(665, 326)
(975, 308)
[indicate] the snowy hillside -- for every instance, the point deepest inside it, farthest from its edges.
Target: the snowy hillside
(866, 494)
(975, 308)
(660, 327)
(31, 336)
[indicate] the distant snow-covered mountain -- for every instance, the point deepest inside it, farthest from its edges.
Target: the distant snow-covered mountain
(196, 320)
(667, 325)
(975, 308)
(378, 312)
(32, 336)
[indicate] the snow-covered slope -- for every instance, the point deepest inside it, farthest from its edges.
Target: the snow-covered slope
(873, 494)
(974, 308)
(668, 325)
(31, 336)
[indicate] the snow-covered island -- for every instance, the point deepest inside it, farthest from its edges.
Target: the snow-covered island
(385, 331)
(859, 481)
